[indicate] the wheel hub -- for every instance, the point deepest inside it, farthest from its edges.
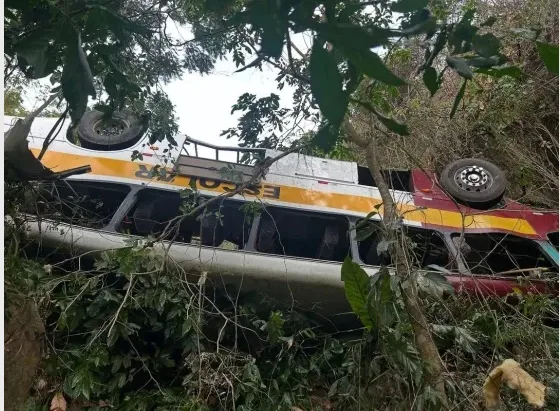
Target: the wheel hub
(111, 127)
(473, 178)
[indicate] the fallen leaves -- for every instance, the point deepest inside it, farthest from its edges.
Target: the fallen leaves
(58, 402)
(516, 378)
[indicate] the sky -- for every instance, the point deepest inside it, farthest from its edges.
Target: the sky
(203, 103)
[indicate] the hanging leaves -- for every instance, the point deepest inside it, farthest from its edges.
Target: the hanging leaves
(325, 138)
(486, 62)
(394, 126)
(355, 43)
(326, 84)
(549, 55)
(391, 124)
(460, 66)
(430, 79)
(486, 45)
(372, 65)
(382, 297)
(365, 231)
(270, 19)
(356, 288)
(33, 49)
(77, 81)
(462, 34)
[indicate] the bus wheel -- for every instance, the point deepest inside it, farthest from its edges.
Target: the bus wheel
(474, 182)
(121, 131)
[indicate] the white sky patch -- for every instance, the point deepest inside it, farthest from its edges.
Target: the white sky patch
(203, 103)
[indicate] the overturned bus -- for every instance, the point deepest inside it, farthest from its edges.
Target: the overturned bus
(287, 235)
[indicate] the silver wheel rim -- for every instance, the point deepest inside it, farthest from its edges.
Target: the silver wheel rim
(112, 127)
(473, 178)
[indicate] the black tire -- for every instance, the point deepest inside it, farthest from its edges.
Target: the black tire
(474, 182)
(130, 130)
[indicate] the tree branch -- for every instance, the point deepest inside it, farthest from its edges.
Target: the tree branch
(259, 171)
(50, 137)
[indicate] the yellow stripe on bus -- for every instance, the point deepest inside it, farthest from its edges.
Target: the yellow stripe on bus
(58, 161)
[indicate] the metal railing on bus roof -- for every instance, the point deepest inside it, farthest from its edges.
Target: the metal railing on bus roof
(217, 149)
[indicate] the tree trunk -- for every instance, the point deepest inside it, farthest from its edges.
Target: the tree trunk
(422, 334)
(23, 332)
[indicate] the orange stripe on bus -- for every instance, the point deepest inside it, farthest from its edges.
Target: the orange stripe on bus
(58, 161)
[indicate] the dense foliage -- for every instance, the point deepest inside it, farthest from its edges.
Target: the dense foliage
(123, 334)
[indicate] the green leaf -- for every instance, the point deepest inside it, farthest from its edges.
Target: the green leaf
(166, 361)
(458, 99)
(369, 216)
(420, 22)
(486, 45)
(434, 284)
(486, 62)
(326, 137)
(461, 336)
(352, 36)
(326, 84)
(404, 354)
(77, 81)
(355, 43)
(406, 6)
(460, 66)
(356, 288)
(382, 298)
(383, 246)
(394, 126)
(430, 78)
(549, 54)
(36, 57)
(489, 22)
(462, 34)
(365, 231)
(267, 16)
(512, 71)
(372, 65)
(465, 340)
(272, 41)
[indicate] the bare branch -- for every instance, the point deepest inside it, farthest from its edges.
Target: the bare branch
(49, 138)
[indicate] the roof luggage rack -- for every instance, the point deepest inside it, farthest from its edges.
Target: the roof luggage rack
(216, 168)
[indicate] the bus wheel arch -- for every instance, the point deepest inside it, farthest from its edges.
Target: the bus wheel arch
(477, 183)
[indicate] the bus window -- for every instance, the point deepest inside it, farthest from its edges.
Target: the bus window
(427, 246)
(396, 179)
(501, 254)
(86, 203)
(553, 238)
(157, 213)
(301, 234)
